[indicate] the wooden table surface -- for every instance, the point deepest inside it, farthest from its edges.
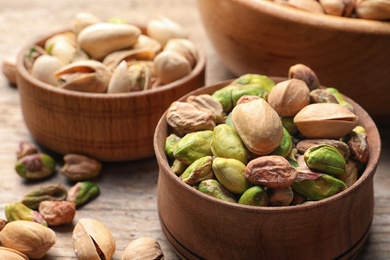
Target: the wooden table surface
(127, 204)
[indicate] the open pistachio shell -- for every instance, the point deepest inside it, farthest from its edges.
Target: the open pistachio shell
(85, 76)
(325, 120)
(113, 59)
(184, 47)
(146, 42)
(45, 67)
(100, 39)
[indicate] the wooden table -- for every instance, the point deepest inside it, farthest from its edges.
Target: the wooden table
(127, 204)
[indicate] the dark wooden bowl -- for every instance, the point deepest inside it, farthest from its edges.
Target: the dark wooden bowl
(201, 227)
(108, 127)
(350, 54)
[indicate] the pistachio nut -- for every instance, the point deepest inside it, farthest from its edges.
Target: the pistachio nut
(262, 81)
(170, 144)
(63, 46)
(185, 118)
(224, 96)
(32, 55)
(52, 192)
(25, 148)
(320, 188)
(280, 197)
(208, 103)
(288, 124)
(292, 157)
(272, 171)
(85, 76)
(288, 97)
(12, 254)
(231, 174)
(9, 69)
(357, 142)
(305, 73)
(285, 145)
(198, 171)
(238, 92)
(373, 9)
(227, 144)
(29, 238)
(68, 37)
(305, 144)
(215, 189)
(298, 199)
(57, 212)
(35, 166)
(82, 20)
(18, 211)
(325, 158)
(307, 5)
(338, 7)
(163, 29)
(92, 240)
(340, 98)
(44, 69)
(113, 59)
(83, 192)
(184, 47)
(254, 196)
(143, 248)
(171, 66)
(325, 120)
(3, 222)
(178, 167)
(258, 126)
(321, 95)
(351, 174)
(100, 39)
(193, 146)
(80, 168)
(146, 42)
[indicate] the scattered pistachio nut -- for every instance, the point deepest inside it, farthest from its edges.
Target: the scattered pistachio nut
(143, 248)
(35, 166)
(18, 211)
(80, 167)
(9, 69)
(57, 212)
(52, 192)
(83, 192)
(92, 240)
(27, 237)
(25, 148)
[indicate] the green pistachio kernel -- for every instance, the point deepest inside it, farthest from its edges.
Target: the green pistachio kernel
(170, 144)
(254, 196)
(261, 81)
(325, 158)
(35, 166)
(18, 211)
(224, 96)
(288, 123)
(231, 174)
(198, 171)
(340, 98)
(227, 143)
(178, 167)
(215, 189)
(285, 145)
(193, 146)
(83, 192)
(320, 188)
(47, 192)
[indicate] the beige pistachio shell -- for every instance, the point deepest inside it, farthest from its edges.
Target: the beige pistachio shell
(338, 7)
(83, 20)
(11, 254)
(171, 66)
(91, 240)
(9, 69)
(325, 120)
(184, 47)
(85, 76)
(308, 5)
(100, 39)
(68, 37)
(45, 67)
(162, 29)
(143, 248)
(373, 9)
(113, 59)
(64, 51)
(146, 42)
(258, 125)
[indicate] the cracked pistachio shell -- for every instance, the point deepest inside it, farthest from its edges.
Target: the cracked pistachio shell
(215, 189)
(305, 73)
(18, 211)
(84, 76)
(193, 146)
(285, 145)
(317, 189)
(325, 120)
(185, 117)
(146, 42)
(170, 144)
(143, 248)
(258, 126)
(112, 60)
(162, 29)
(29, 238)
(288, 97)
(254, 196)
(231, 174)
(35, 166)
(226, 143)
(63, 46)
(171, 66)
(184, 47)
(51, 192)
(208, 103)
(357, 142)
(198, 171)
(83, 20)
(92, 240)
(44, 68)
(325, 158)
(12, 254)
(100, 39)
(305, 144)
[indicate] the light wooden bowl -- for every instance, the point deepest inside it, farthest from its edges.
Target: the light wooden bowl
(263, 37)
(201, 227)
(108, 127)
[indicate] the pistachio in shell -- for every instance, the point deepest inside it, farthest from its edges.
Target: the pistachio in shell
(45, 67)
(258, 126)
(163, 29)
(143, 248)
(305, 73)
(208, 103)
(171, 66)
(12, 254)
(325, 120)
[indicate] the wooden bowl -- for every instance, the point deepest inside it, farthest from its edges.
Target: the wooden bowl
(263, 37)
(201, 227)
(108, 127)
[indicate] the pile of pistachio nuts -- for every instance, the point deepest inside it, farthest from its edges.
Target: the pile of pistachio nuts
(364, 9)
(259, 143)
(113, 56)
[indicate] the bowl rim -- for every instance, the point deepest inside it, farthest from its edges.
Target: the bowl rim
(369, 171)
(21, 71)
(295, 15)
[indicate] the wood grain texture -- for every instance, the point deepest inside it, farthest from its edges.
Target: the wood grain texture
(128, 201)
